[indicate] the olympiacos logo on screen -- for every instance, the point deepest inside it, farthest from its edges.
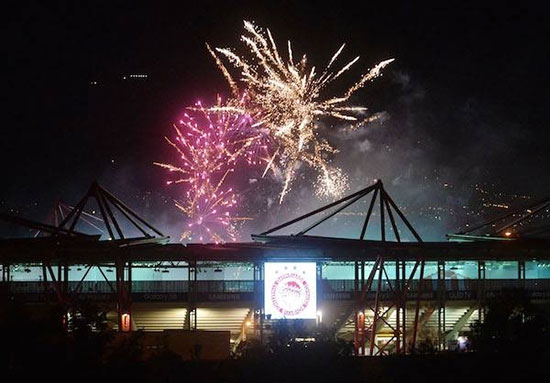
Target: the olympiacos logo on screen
(290, 290)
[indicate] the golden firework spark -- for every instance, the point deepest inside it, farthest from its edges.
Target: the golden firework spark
(286, 97)
(331, 182)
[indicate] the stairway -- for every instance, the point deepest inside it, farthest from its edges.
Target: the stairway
(424, 315)
(221, 319)
(158, 317)
(452, 316)
(473, 318)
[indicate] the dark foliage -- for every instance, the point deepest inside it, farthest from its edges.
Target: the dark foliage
(40, 347)
(512, 323)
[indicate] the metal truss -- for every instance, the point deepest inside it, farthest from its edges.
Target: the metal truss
(108, 205)
(402, 339)
(508, 226)
(63, 222)
(58, 213)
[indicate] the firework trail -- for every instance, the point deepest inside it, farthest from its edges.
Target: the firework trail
(286, 98)
(211, 144)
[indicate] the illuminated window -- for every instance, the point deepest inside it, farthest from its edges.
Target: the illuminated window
(501, 270)
(537, 270)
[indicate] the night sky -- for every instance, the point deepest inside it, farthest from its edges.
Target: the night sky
(467, 98)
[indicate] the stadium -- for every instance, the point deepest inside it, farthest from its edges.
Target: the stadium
(384, 296)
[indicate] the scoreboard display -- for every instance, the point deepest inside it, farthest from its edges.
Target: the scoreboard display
(290, 290)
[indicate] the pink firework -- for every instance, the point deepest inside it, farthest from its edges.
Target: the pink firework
(211, 144)
(210, 214)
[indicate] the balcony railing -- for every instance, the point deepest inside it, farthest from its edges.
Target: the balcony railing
(349, 285)
(247, 286)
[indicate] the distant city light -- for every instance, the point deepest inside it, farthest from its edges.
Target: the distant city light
(135, 76)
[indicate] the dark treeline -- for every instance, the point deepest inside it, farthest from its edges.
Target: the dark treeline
(511, 345)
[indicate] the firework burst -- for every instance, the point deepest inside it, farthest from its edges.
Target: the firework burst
(211, 144)
(210, 212)
(331, 182)
(286, 97)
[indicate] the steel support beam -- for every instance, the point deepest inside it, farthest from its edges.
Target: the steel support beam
(441, 298)
(191, 318)
(481, 274)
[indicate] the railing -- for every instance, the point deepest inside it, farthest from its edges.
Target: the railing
(348, 285)
(91, 287)
(326, 286)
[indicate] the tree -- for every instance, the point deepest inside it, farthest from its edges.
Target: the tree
(512, 323)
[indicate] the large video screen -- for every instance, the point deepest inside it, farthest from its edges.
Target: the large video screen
(290, 290)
